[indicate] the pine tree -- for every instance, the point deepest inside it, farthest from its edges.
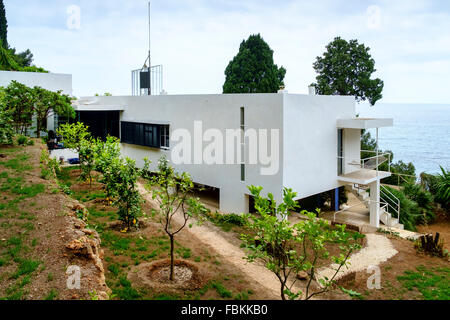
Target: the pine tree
(3, 25)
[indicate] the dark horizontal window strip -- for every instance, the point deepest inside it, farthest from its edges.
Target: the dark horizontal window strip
(143, 134)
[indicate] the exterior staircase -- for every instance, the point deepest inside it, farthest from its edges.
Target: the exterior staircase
(388, 202)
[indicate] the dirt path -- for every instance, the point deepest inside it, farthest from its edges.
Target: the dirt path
(379, 249)
(230, 252)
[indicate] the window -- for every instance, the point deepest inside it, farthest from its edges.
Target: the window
(340, 151)
(242, 127)
(165, 136)
(145, 134)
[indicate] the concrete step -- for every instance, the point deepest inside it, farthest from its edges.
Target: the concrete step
(387, 220)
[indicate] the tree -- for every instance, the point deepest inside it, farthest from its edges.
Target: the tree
(105, 152)
(48, 101)
(253, 70)
(3, 26)
(171, 190)
(24, 59)
(19, 101)
(87, 159)
(288, 249)
(74, 134)
(7, 60)
(346, 69)
(6, 122)
(121, 179)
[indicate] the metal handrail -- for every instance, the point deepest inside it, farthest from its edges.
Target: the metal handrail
(361, 162)
(396, 210)
(392, 197)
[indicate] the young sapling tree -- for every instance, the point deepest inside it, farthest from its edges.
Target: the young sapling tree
(288, 249)
(173, 191)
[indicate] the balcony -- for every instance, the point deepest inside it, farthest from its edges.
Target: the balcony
(363, 171)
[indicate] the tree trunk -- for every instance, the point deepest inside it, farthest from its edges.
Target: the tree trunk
(283, 297)
(171, 258)
(38, 130)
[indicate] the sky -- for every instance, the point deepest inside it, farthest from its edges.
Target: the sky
(194, 40)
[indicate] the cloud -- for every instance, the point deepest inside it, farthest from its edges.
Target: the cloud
(195, 40)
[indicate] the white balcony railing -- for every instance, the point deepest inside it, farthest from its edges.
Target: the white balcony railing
(369, 163)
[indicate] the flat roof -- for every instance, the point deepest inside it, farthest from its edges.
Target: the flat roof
(98, 107)
(365, 123)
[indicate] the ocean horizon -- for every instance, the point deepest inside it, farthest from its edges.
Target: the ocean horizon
(421, 133)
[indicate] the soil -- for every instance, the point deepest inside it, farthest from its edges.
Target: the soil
(442, 225)
(156, 276)
(407, 259)
(50, 226)
(214, 256)
(133, 263)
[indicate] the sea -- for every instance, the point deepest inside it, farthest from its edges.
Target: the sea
(421, 133)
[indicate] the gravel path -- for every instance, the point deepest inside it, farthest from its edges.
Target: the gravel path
(379, 249)
(230, 252)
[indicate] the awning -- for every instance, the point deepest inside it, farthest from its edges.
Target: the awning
(365, 123)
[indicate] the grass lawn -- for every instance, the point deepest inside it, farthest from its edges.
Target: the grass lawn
(123, 251)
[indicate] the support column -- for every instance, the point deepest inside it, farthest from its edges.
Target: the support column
(375, 203)
(232, 201)
(335, 200)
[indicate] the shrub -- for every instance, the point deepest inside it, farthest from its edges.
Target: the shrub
(6, 125)
(73, 135)
(287, 249)
(22, 140)
(443, 188)
(423, 198)
(410, 214)
(120, 178)
(50, 167)
(402, 173)
(231, 218)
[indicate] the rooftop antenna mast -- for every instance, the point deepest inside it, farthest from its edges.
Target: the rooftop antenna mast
(149, 48)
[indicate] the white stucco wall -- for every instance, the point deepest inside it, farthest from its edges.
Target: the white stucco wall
(352, 149)
(262, 111)
(49, 81)
(310, 141)
(307, 138)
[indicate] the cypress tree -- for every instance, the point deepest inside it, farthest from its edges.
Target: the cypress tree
(253, 70)
(3, 25)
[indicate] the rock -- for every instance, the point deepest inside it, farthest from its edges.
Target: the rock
(88, 248)
(79, 224)
(102, 295)
(302, 275)
(89, 231)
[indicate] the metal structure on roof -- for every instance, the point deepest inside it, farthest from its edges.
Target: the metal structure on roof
(149, 79)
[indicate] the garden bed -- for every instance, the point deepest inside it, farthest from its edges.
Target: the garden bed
(126, 252)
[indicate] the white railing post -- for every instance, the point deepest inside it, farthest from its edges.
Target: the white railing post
(377, 153)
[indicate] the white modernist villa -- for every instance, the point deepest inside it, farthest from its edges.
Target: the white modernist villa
(314, 142)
